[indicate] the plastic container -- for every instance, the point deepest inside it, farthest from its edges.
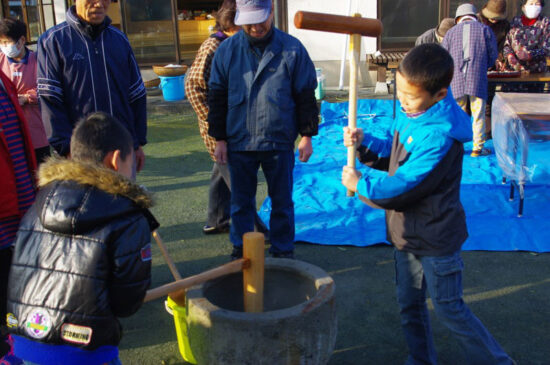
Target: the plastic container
(173, 87)
(320, 90)
(180, 320)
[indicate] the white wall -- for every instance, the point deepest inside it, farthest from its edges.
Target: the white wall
(324, 46)
(60, 10)
(326, 49)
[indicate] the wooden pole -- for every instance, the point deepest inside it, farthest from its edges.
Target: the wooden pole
(338, 23)
(355, 49)
(176, 289)
(167, 258)
(253, 276)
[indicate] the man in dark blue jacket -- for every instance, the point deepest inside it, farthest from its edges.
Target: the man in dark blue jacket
(86, 65)
(261, 95)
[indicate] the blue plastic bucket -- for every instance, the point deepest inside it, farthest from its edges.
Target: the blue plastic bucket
(172, 87)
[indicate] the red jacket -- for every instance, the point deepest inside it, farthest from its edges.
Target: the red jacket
(8, 191)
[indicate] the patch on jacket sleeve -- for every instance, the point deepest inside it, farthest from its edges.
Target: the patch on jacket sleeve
(38, 323)
(409, 140)
(146, 253)
(11, 320)
(73, 333)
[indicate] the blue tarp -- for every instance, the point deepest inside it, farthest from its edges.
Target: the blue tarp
(324, 215)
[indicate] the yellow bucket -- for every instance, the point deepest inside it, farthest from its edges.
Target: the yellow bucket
(180, 320)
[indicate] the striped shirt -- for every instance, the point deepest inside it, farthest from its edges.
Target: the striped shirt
(10, 128)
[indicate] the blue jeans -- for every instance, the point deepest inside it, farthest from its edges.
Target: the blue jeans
(277, 167)
(442, 277)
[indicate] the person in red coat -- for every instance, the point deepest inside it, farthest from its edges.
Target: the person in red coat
(17, 185)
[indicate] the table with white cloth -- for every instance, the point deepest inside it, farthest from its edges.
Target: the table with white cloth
(520, 126)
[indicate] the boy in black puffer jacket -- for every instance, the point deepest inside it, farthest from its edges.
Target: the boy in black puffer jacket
(82, 254)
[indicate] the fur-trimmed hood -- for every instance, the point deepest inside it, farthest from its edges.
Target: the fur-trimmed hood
(87, 173)
(77, 196)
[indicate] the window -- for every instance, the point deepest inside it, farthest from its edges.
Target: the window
(38, 15)
(404, 20)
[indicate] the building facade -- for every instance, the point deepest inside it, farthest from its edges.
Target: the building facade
(171, 31)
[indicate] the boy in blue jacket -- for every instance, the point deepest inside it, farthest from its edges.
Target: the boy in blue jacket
(416, 177)
(82, 254)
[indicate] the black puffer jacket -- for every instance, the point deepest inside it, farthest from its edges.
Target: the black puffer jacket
(82, 257)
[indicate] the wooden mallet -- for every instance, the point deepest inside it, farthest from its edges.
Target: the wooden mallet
(356, 26)
(252, 266)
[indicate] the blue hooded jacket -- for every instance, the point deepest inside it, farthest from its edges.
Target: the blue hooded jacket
(419, 186)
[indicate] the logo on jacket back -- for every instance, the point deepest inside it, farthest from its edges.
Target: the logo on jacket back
(76, 334)
(11, 320)
(77, 57)
(38, 324)
(146, 253)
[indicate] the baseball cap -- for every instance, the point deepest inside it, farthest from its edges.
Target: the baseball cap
(252, 11)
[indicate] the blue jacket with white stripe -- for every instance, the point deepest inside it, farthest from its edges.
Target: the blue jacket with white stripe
(415, 177)
(78, 75)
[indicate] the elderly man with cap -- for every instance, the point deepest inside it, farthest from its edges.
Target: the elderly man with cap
(474, 49)
(261, 96)
(435, 35)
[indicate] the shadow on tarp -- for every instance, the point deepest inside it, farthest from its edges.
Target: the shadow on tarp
(324, 215)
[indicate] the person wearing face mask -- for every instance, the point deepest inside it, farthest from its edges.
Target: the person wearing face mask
(86, 65)
(528, 42)
(261, 96)
(19, 64)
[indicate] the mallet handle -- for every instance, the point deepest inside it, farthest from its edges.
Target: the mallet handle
(338, 23)
(253, 276)
(355, 48)
(176, 289)
(167, 257)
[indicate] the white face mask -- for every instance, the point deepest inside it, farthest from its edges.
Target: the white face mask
(11, 51)
(532, 11)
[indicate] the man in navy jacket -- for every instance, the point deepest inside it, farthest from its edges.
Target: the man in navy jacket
(86, 65)
(261, 96)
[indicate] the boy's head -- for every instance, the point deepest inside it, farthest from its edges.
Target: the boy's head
(423, 77)
(102, 139)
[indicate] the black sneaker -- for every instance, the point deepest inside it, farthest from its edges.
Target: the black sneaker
(283, 255)
(214, 230)
(237, 253)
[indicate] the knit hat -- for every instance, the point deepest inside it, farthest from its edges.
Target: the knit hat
(252, 11)
(444, 26)
(465, 9)
(494, 9)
